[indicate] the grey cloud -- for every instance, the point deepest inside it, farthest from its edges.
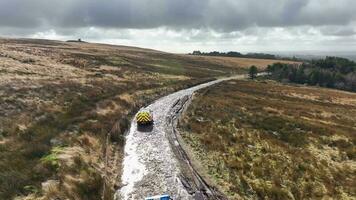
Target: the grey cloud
(221, 15)
(338, 31)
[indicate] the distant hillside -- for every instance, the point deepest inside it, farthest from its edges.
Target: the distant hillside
(313, 55)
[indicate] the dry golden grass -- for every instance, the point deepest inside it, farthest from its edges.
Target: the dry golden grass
(69, 96)
(265, 140)
(54, 93)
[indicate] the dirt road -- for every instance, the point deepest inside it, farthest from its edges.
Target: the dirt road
(154, 161)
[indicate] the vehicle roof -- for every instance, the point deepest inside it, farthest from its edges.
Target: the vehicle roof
(144, 110)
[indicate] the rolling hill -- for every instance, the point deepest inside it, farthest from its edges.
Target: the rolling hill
(66, 106)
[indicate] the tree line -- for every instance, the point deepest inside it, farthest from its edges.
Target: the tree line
(235, 54)
(332, 72)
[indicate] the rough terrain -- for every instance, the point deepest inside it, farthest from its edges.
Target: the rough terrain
(60, 100)
(65, 107)
(267, 140)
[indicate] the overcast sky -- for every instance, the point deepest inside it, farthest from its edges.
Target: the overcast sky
(187, 25)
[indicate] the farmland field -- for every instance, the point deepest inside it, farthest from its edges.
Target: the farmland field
(266, 140)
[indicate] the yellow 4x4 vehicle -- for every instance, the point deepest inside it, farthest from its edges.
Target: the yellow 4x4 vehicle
(144, 117)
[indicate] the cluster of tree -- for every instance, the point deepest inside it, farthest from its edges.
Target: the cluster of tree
(252, 72)
(332, 72)
(235, 54)
(79, 40)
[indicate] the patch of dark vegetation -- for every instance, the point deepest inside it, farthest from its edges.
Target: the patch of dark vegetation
(331, 72)
(20, 158)
(236, 54)
(78, 40)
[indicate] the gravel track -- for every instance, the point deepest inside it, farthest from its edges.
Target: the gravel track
(155, 163)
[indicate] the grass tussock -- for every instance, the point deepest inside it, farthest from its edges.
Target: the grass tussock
(261, 139)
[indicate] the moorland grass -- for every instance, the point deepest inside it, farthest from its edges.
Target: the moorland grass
(266, 140)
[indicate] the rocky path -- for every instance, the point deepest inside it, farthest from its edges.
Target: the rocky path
(154, 161)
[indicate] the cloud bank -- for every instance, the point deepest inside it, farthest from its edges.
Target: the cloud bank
(194, 21)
